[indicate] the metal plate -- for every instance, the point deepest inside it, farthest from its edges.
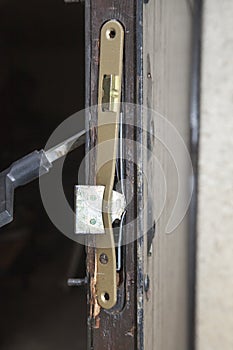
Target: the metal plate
(89, 206)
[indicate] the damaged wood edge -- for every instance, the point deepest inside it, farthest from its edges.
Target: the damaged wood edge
(95, 307)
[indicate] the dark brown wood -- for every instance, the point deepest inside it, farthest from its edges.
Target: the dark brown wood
(116, 329)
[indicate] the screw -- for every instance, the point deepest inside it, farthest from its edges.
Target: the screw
(93, 221)
(73, 1)
(77, 282)
(103, 258)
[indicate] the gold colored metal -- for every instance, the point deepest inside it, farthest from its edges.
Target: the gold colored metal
(111, 89)
(110, 73)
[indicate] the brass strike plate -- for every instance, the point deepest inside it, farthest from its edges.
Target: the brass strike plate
(109, 97)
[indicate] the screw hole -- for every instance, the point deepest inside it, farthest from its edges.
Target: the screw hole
(111, 33)
(103, 258)
(105, 297)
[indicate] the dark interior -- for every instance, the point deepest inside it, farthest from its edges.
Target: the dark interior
(41, 84)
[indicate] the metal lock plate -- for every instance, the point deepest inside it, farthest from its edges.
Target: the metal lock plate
(89, 206)
(98, 206)
(109, 97)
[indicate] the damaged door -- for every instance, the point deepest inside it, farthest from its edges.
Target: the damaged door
(138, 69)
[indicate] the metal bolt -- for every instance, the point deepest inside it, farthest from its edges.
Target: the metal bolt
(103, 258)
(77, 282)
(73, 1)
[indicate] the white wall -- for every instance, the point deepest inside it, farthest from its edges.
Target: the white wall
(215, 257)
